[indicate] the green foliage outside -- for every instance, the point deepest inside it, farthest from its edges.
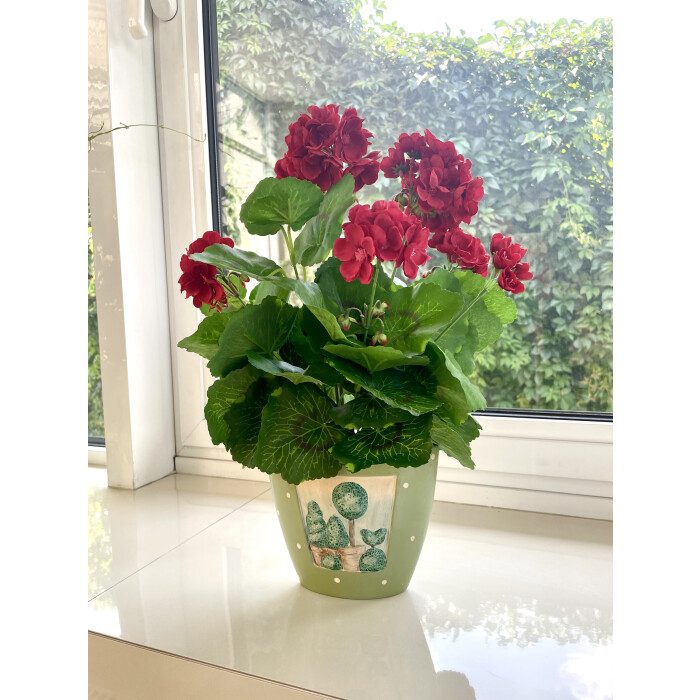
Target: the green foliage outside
(95, 414)
(529, 104)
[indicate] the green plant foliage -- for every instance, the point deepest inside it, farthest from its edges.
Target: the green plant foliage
(400, 445)
(366, 411)
(350, 500)
(276, 203)
(297, 433)
(262, 328)
(336, 535)
(238, 260)
(373, 539)
(376, 358)
(95, 412)
(316, 239)
(205, 340)
(454, 439)
(373, 560)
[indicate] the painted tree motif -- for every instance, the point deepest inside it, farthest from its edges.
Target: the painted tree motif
(315, 524)
(351, 501)
(336, 536)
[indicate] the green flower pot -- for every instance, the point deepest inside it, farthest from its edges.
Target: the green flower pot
(357, 535)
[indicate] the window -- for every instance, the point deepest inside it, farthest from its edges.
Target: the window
(540, 463)
(96, 428)
(530, 104)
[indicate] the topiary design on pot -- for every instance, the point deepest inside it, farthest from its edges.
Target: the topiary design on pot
(336, 536)
(351, 501)
(331, 561)
(315, 525)
(373, 560)
(373, 538)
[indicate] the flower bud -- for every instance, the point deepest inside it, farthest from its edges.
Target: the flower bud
(379, 339)
(379, 308)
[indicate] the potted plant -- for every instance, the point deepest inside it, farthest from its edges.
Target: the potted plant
(344, 372)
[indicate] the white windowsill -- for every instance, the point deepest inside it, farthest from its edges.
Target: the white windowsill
(191, 586)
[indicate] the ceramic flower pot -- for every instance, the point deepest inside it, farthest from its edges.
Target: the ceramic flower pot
(357, 535)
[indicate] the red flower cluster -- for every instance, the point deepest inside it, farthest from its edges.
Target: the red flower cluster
(198, 279)
(321, 142)
(436, 180)
(461, 248)
(506, 257)
(385, 231)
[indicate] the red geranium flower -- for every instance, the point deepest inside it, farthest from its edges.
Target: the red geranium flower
(384, 223)
(414, 254)
(198, 279)
(506, 254)
(365, 171)
(462, 248)
(356, 251)
(351, 141)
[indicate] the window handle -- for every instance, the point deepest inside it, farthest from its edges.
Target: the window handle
(165, 10)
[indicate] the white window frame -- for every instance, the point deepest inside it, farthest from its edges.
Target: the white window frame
(546, 465)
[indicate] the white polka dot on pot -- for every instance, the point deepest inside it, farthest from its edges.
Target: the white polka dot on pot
(336, 579)
(384, 582)
(405, 485)
(413, 538)
(298, 546)
(289, 495)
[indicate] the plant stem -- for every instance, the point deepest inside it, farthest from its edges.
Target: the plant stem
(368, 315)
(290, 247)
(393, 273)
(479, 296)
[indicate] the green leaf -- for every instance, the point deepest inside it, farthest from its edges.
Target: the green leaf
(375, 358)
(401, 445)
(309, 293)
(487, 325)
(296, 434)
(244, 420)
(416, 313)
(205, 340)
(331, 325)
(316, 239)
(500, 305)
(261, 327)
(413, 391)
(461, 342)
(276, 203)
(454, 440)
(366, 411)
(450, 389)
(221, 395)
(238, 260)
(344, 295)
(280, 368)
(474, 398)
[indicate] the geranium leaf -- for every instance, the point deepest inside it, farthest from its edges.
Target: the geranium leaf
(318, 235)
(260, 327)
(296, 434)
(450, 390)
(500, 305)
(366, 411)
(412, 391)
(238, 260)
(405, 444)
(309, 293)
(331, 325)
(221, 395)
(244, 419)
(275, 203)
(280, 368)
(375, 358)
(416, 313)
(474, 398)
(454, 440)
(205, 340)
(345, 295)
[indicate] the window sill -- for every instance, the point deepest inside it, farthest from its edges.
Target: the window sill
(190, 583)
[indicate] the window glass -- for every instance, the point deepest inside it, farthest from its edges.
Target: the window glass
(96, 428)
(528, 102)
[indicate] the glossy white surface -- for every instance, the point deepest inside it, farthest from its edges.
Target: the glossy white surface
(503, 604)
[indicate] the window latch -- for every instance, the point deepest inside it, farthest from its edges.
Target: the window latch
(164, 10)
